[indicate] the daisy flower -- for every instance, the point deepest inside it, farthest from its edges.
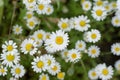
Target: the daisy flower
(98, 3)
(49, 9)
(105, 72)
(10, 59)
(3, 70)
(117, 65)
(80, 45)
(29, 46)
(99, 13)
(93, 36)
(9, 46)
(55, 69)
(115, 49)
(41, 8)
(86, 5)
(116, 21)
(61, 75)
(47, 35)
(64, 25)
(82, 23)
(113, 5)
(64, 54)
(29, 14)
(93, 51)
(17, 29)
(74, 55)
(58, 41)
(50, 60)
(107, 6)
(92, 74)
(39, 64)
(18, 71)
(31, 23)
(118, 4)
(44, 77)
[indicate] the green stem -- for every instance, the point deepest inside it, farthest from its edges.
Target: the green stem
(85, 71)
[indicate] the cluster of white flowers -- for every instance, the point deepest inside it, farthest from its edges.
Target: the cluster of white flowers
(101, 71)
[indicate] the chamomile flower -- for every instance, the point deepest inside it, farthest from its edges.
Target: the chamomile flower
(99, 13)
(113, 5)
(49, 9)
(17, 29)
(116, 21)
(98, 3)
(55, 69)
(3, 71)
(80, 45)
(93, 35)
(47, 35)
(115, 49)
(39, 64)
(31, 23)
(93, 51)
(44, 1)
(9, 46)
(117, 65)
(61, 75)
(58, 41)
(74, 55)
(50, 60)
(86, 5)
(10, 59)
(18, 71)
(107, 6)
(41, 8)
(29, 46)
(64, 54)
(82, 23)
(105, 72)
(29, 14)
(44, 77)
(92, 74)
(64, 25)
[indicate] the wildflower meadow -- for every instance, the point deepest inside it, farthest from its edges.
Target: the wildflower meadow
(59, 39)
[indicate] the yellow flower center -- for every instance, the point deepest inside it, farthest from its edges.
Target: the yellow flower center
(99, 3)
(40, 36)
(64, 25)
(60, 75)
(30, 1)
(29, 16)
(114, 5)
(47, 36)
(54, 68)
(17, 70)
(29, 46)
(31, 23)
(49, 62)
(41, 6)
(93, 51)
(2, 70)
(66, 53)
(117, 49)
(93, 74)
(116, 21)
(9, 47)
(49, 9)
(73, 55)
(105, 72)
(107, 7)
(80, 45)
(10, 57)
(17, 29)
(99, 12)
(93, 36)
(82, 23)
(86, 5)
(59, 40)
(40, 64)
(44, 77)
